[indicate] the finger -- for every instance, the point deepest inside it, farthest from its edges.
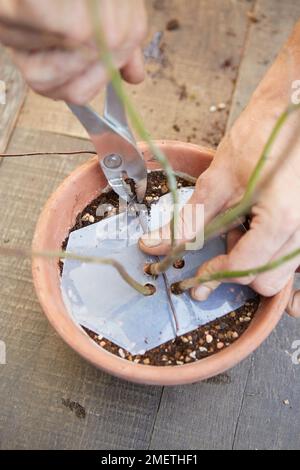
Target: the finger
(159, 241)
(256, 248)
(26, 39)
(272, 282)
(203, 291)
(84, 88)
(293, 308)
(131, 22)
(134, 71)
(47, 70)
(233, 238)
(209, 196)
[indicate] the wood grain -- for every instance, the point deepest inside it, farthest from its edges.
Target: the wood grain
(15, 90)
(201, 416)
(270, 415)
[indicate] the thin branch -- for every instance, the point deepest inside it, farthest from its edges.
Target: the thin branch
(26, 253)
(36, 154)
(187, 284)
(254, 179)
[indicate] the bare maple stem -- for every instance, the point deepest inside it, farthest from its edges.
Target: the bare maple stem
(192, 282)
(44, 154)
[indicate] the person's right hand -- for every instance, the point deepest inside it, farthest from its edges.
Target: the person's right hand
(52, 42)
(275, 226)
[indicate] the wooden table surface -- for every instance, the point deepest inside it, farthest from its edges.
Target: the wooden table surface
(217, 56)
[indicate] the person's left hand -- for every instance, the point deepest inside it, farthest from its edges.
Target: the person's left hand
(52, 42)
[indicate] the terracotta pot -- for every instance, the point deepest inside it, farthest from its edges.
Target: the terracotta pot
(59, 215)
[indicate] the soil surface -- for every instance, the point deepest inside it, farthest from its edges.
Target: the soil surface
(198, 344)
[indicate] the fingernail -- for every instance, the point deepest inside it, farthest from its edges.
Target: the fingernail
(202, 293)
(151, 242)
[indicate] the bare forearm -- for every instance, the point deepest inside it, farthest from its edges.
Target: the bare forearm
(279, 84)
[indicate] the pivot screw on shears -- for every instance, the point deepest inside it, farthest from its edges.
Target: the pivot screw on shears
(113, 161)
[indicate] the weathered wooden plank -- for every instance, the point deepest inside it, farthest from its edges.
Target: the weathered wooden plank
(270, 415)
(201, 416)
(41, 370)
(198, 69)
(42, 114)
(12, 94)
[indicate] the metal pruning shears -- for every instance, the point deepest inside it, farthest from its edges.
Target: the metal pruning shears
(119, 157)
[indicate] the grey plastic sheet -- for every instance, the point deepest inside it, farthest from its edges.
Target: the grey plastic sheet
(98, 299)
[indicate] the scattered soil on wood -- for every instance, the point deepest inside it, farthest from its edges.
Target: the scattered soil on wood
(227, 63)
(198, 344)
(173, 25)
(252, 17)
(75, 408)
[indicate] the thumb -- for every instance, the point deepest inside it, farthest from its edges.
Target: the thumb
(293, 308)
(208, 195)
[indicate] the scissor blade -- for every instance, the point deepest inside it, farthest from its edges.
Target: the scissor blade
(91, 121)
(109, 140)
(114, 112)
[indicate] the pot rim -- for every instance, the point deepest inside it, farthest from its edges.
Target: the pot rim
(267, 317)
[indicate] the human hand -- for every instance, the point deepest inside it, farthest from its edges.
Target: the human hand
(275, 225)
(52, 44)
